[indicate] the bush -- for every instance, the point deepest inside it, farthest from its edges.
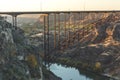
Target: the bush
(98, 66)
(32, 61)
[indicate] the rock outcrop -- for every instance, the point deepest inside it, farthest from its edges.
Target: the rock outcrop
(116, 33)
(100, 50)
(14, 53)
(19, 57)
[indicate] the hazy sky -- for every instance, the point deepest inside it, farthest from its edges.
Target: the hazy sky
(58, 5)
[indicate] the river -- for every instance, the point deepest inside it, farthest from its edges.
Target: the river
(69, 73)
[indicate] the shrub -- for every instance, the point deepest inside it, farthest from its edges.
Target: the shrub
(32, 61)
(97, 66)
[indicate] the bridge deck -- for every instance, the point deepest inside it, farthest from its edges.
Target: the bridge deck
(49, 12)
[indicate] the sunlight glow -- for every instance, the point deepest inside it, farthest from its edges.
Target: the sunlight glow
(58, 5)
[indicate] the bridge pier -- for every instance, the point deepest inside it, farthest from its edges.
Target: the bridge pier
(65, 31)
(69, 30)
(14, 20)
(79, 24)
(83, 26)
(59, 31)
(55, 31)
(46, 36)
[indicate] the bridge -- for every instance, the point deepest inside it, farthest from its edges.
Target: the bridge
(15, 14)
(73, 29)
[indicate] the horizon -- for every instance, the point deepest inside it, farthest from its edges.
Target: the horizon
(55, 5)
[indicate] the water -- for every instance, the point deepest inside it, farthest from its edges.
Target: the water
(68, 73)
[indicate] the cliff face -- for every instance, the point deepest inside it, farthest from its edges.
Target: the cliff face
(116, 32)
(18, 59)
(107, 44)
(99, 49)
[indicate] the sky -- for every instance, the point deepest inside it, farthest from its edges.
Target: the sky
(58, 5)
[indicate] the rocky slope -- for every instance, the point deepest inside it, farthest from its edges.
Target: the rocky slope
(19, 58)
(98, 50)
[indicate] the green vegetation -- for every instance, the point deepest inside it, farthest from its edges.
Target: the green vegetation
(98, 66)
(29, 28)
(31, 59)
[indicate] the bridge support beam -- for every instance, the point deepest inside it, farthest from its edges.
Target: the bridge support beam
(79, 27)
(45, 54)
(55, 31)
(59, 31)
(83, 27)
(46, 37)
(65, 34)
(14, 20)
(69, 29)
(48, 50)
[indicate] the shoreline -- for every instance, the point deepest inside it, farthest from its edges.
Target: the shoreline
(109, 77)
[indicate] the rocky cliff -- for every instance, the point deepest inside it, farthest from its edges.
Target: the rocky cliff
(98, 50)
(18, 59)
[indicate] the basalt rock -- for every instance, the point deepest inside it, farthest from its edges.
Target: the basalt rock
(14, 48)
(116, 33)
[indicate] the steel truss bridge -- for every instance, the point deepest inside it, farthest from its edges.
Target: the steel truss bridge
(70, 36)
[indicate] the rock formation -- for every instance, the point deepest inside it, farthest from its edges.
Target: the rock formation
(14, 53)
